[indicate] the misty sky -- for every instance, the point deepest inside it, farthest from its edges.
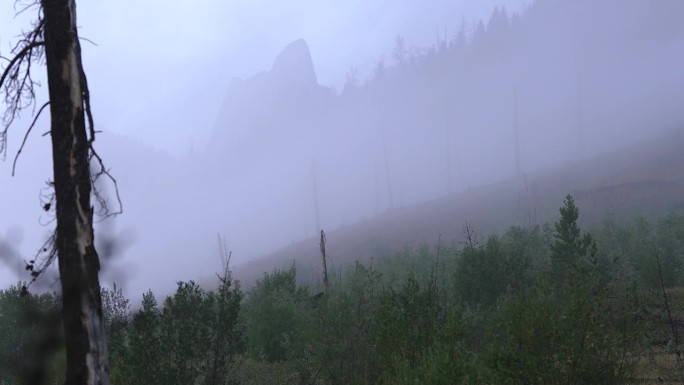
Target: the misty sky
(197, 152)
(161, 69)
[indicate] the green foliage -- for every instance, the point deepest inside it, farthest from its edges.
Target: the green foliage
(228, 329)
(642, 254)
(569, 248)
(542, 305)
(248, 371)
(199, 333)
(30, 337)
(564, 333)
(185, 334)
(344, 324)
(670, 248)
(144, 354)
(276, 313)
(504, 264)
(408, 321)
(639, 242)
(115, 311)
(479, 277)
(544, 337)
(193, 339)
(443, 364)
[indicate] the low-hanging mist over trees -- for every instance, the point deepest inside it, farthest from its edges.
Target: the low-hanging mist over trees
(402, 229)
(540, 305)
(447, 115)
(572, 79)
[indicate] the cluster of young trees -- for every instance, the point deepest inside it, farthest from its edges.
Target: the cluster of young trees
(192, 338)
(542, 305)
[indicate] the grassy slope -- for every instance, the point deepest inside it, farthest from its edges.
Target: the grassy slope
(647, 180)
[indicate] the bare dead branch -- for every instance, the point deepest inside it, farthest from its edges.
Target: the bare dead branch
(16, 81)
(17, 87)
(47, 201)
(13, 69)
(23, 142)
(88, 40)
(470, 236)
(43, 258)
(103, 211)
(86, 107)
(94, 177)
(24, 8)
(18, 58)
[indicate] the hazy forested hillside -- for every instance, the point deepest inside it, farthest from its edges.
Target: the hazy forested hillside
(419, 224)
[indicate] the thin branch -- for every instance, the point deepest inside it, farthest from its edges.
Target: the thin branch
(105, 213)
(16, 81)
(23, 142)
(47, 202)
(24, 9)
(104, 210)
(88, 40)
(86, 108)
(43, 258)
(19, 58)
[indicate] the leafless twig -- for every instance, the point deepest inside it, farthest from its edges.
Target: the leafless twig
(104, 211)
(16, 81)
(23, 142)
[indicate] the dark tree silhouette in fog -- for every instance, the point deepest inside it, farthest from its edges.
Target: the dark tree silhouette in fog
(54, 40)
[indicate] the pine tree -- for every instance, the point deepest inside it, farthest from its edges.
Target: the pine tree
(570, 248)
(143, 364)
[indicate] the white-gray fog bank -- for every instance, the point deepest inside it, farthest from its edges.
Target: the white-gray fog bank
(527, 89)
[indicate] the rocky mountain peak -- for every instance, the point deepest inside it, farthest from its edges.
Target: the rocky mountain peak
(294, 64)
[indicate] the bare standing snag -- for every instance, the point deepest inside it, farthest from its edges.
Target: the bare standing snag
(54, 38)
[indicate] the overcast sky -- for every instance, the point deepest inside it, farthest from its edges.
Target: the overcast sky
(159, 72)
(161, 68)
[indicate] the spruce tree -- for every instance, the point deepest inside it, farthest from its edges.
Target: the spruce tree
(569, 248)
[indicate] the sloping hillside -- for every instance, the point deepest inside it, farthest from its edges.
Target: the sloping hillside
(647, 180)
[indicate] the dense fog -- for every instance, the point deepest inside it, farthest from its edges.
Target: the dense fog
(466, 95)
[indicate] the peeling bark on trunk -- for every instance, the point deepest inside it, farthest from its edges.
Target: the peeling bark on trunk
(86, 351)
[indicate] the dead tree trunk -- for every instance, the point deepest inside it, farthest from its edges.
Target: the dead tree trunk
(315, 197)
(86, 351)
(388, 179)
(518, 169)
(325, 265)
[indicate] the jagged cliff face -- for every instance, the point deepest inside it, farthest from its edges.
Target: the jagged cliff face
(293, 68)
(277, 128)
(271, 130)
(284, 102)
